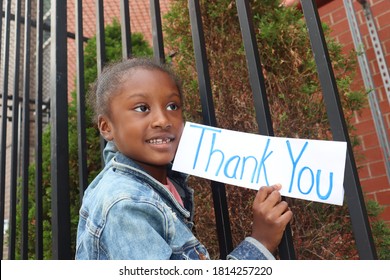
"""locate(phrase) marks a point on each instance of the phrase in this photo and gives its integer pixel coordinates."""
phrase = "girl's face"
(145, 120)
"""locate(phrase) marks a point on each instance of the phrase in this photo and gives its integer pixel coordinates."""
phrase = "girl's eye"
(141, 108)
(172, 107)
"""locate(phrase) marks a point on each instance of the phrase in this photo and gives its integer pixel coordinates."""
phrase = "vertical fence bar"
(100, 37)
(15, 135)
(256, 78)
(1, 27)
(158, 43)
(218, 189)
(26, 127)
(100, 51)
(81, 122)
(125, 29)
(59, 132)
(38, 133)
(354, 196)
(263, 115)
(5, 67)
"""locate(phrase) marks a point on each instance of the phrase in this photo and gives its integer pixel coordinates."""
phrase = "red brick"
(339, 28)
(383, 33)
(364, 172)
(380, 8)
(363, 126)
(385, 215)
(326, 19)
(384, 105)
(328, 8)
(370, 196)
(370, 141)
(386, 46)
(348, 46)
(383, 198)
(363, 28)
(368, 46)
(374, 154)
(377, 78)
(375, 184)
(377, 168)
(387, 119)
(338, 14)
(367, 115)
(382, 20)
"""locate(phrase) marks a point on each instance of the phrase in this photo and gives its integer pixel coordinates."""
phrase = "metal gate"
(20, 119)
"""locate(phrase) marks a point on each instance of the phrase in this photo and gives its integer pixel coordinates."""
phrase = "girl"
(137, 207)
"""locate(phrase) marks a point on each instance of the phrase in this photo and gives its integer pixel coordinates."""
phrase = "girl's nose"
(161, 120)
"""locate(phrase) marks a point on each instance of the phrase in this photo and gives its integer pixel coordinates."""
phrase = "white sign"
(307, 169)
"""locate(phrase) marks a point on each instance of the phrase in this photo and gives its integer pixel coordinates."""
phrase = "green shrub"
(380, 230)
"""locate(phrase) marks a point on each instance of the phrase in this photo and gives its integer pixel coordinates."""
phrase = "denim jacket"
(127, 214)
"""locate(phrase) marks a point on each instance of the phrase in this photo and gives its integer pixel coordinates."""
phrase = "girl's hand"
(270, 216)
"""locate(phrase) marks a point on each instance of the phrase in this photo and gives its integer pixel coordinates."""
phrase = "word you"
(307, 169)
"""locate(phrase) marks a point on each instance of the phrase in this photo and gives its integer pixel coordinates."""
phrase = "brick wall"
(372, 172)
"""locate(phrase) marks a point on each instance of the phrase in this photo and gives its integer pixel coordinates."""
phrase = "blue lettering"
(294, 162)
(235, 168)
(212, 152)
(243, 167)
(262, 163)
(255, 168)
(323, 197)
(201, 139)
(299, 180)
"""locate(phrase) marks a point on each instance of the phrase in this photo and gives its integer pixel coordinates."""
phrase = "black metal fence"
(19, 124)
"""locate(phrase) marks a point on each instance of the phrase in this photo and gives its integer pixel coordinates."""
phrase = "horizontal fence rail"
(23, 108)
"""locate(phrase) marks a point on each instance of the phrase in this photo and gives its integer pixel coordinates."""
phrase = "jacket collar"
(179, 179)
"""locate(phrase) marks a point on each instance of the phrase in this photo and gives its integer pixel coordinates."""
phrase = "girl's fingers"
(265, 191)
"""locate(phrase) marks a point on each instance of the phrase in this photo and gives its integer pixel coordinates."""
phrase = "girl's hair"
(112, 77)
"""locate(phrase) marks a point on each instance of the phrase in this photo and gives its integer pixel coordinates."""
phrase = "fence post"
(5, 68)
(59, 132)
(38, 134)
(158, 43)
(26, 127)
(101, 58)
(125, 29)
(15, 135)
(81, 108)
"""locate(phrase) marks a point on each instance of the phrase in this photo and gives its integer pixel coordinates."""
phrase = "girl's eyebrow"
(173, 94)
(135, 95)
(143, 95)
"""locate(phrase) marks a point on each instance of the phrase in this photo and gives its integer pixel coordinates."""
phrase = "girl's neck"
(157, 172)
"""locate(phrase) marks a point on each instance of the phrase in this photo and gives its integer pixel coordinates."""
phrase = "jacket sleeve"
(139, 235)
(250, 249)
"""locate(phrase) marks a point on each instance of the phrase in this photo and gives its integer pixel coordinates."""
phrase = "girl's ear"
(104, 126)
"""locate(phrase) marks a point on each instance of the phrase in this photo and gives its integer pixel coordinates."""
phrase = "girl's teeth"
(160, 141)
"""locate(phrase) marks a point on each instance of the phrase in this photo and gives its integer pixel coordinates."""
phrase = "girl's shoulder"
(118, 183)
